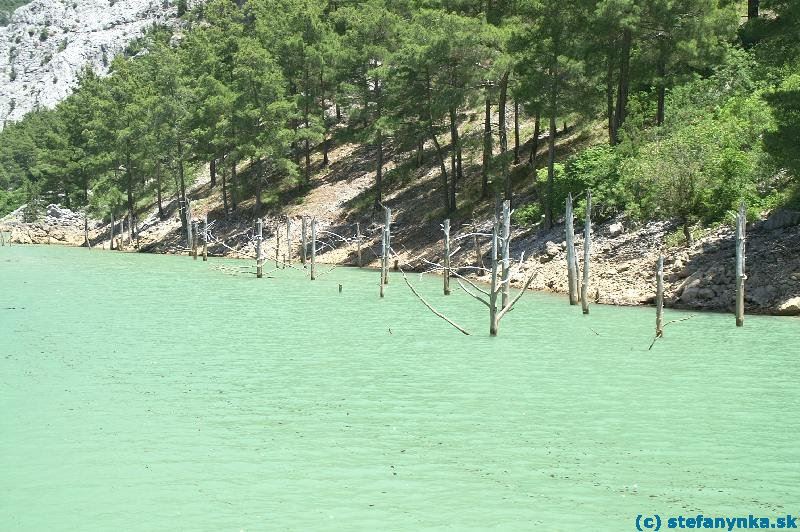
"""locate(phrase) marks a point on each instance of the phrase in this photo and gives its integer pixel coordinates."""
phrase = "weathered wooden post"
(205, 238)
(111, 244)
(446, 272)
(194, 239)
(493, 323)
(660, 297)
(587, 250)
(259, 257)
(288, 257)
(313, 248)
(358, 243)
(741, 225)
(572, 274)
(388, 230)
(506, 274)
(304, 243)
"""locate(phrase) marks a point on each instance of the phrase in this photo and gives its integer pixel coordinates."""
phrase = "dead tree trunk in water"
(289, 241)
(259, 257)
(587, 250)
(304, 241)
(741, 224)
(358, 243)
(189, 221)
(572, 274)
(194, 239)
(277, 245)
(446, 273)
(506, 273)
(493, 321)
(205, 238)
(111, 244)
(313, 248)
(660, 297)
(388, 228)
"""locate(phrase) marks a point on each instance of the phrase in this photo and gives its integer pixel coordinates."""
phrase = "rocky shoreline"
(698, 277)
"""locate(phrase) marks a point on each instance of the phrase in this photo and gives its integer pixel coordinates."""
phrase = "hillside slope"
(623, 253)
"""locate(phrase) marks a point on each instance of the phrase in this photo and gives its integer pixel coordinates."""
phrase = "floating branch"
(669, 323)
(445, 318)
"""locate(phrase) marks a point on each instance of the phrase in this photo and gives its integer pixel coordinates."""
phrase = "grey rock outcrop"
(48, 43)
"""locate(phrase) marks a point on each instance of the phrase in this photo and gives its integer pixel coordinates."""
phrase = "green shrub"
(527, 215)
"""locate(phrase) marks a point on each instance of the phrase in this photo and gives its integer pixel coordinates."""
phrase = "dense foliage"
(700, 110)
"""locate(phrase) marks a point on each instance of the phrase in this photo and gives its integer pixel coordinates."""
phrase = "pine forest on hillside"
(691, 106)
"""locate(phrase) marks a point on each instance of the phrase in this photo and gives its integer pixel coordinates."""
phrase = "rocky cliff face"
(48, 42)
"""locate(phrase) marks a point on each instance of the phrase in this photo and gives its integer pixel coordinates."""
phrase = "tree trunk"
(379, 146)
(741, 224)
(212, 170)
(379, 172)
(453, 164)
(753, 9)
(516, 132)
(233, 185)
(612, 132)
(224, 187)
(306, 114)
(442, 169)
(259, 170)
(131, 206)
(535, 141)
(487, 146)
(182, 190)
(161, 215)
(503, 135)
(662, 88)
(551, 160)
(624, 82)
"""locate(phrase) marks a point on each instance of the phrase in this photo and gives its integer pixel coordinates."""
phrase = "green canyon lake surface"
(142, 392)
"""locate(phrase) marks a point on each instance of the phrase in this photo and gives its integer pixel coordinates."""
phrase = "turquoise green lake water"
(142, 392)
